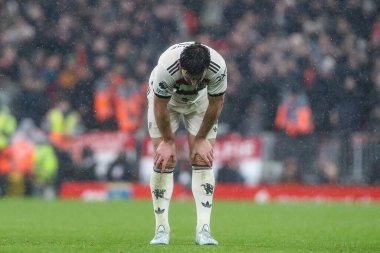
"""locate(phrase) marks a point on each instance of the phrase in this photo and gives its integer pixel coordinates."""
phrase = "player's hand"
(203, 148)
(165, 151)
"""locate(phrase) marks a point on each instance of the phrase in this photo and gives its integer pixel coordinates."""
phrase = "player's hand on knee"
(202, 152)
(165, 155)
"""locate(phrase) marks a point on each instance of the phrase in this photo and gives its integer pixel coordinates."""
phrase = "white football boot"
(204, 237)
(161, 236)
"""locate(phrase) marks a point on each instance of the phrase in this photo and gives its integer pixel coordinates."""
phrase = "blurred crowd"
(296, 67)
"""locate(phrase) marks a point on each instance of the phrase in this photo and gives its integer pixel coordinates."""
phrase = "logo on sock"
(209, 188)
(159, 211)
(159, 193)
(207, 204)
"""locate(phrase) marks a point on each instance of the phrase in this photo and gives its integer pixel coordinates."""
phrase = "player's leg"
(203, 180)
(203, 185)
(161, 184)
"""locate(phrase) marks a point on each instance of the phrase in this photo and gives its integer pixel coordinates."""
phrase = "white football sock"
(203, 183)
(161, 187)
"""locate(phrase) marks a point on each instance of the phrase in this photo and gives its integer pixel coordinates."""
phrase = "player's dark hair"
(195, 58)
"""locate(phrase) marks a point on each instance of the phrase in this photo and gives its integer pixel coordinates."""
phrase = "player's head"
(194, 61)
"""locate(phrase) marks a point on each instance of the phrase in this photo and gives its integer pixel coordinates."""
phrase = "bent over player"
(188, 82)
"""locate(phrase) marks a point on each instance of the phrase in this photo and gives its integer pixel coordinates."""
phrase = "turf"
(32, 225)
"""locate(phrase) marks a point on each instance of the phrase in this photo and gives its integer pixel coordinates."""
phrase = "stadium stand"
(98, 54)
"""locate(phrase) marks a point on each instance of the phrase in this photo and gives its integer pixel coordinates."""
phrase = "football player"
(189, 82)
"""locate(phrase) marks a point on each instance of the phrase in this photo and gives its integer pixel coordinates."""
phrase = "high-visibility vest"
(5, 160)
(103, 101)
(8, 126)
(22, 156)
(128, 109)
(45, 163)
(61, 128)
(61, 124)
(295, 119)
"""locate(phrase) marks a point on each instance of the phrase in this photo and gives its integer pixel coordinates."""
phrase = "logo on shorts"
(150, 125)
(215, 128)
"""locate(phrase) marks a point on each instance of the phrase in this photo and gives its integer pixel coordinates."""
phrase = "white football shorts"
(192, 115)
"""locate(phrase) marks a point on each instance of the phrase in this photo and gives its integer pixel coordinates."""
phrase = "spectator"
(294, 120)
(66, 168)
(32, 100)
(85, 169)
(229, 173)
(22, 154)
(8, 126)
(345, 119)
(291, 172)
(374, 176)
(45, 167)
(122, 168)
(328, 173)
(51, 47)
(62, 123)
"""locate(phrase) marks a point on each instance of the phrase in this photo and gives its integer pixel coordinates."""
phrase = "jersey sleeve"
(163, 83)
(218, 81)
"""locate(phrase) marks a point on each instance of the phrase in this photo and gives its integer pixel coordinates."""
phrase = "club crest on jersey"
(159, 193)
(163, 85)
(209, 188)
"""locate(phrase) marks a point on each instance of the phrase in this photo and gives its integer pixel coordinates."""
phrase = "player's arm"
(202, 151)
(212, 114)
(202, 147)
(164, 156)
(165, 153)
(163, 118)
(216, 90)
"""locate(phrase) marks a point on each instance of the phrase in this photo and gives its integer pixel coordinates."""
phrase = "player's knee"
(198, 161)
(170, 164)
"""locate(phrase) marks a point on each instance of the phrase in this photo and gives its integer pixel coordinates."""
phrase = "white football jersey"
(166, 80)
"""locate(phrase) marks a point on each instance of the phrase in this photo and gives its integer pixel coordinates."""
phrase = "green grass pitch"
(32, 225)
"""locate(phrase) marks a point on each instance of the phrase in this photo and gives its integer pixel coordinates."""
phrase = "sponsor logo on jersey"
(221, 77)
(177, 87)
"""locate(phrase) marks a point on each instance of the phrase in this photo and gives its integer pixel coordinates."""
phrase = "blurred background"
(302, 105)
